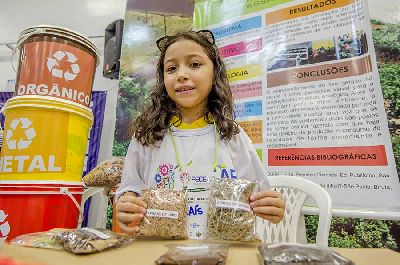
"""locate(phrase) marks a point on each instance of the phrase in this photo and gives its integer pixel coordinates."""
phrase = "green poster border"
(209, 12)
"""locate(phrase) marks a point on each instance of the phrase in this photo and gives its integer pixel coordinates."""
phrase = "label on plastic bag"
(190, 248)
(232, 205)
(162, 213)
(191, 251)
(97, 233)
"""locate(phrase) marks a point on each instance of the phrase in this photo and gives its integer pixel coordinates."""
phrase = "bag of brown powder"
(190, 254)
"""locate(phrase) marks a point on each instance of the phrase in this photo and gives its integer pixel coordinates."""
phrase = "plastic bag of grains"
(300, 254)
(190, 254)
(165, 215)
(44, 239)
(107, 174)
(90, 240)
(229, 214)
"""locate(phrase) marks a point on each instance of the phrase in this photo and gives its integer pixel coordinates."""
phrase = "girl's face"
(188, 76)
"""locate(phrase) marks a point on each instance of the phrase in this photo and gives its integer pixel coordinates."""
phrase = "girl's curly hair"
(151, 126)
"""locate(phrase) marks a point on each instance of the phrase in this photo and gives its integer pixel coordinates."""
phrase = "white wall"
(107, 135)
(89, 17)
(385, 10)
(6, 71)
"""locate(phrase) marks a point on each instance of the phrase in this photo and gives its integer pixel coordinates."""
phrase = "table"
(147, 251)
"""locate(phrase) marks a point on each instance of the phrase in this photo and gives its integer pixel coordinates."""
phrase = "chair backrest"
(295, 191)
(99, 212)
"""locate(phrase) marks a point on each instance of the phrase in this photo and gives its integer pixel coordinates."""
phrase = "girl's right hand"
(130, 212)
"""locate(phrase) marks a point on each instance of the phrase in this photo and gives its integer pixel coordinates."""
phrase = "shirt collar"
(200, 123)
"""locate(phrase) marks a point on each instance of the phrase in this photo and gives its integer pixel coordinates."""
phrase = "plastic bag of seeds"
(90, 240)
(229, 214)
(107, 174)
(298, 254)
(165, 215)
(191, 254)
(44, 239)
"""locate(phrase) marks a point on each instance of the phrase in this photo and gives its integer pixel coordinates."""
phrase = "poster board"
(307, 91)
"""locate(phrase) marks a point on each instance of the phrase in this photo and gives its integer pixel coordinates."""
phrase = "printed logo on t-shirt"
(166, 175)
(200, 179)
(228, 173)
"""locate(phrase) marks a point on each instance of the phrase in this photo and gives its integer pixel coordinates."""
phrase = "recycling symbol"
(28, 131)
(4, 226)
(53, 64)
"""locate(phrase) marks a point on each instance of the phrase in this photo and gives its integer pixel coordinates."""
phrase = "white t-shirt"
(149, 166)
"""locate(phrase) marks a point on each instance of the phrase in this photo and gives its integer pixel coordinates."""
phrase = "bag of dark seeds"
(91, 240)
(297, 254)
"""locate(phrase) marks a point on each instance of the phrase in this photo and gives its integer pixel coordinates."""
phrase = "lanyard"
(190, 162)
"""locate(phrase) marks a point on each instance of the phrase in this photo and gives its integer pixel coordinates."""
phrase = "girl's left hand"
(268, 205)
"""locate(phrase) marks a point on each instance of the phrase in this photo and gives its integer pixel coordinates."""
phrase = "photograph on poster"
(352, 44)
(348, 45)
(323, 51)
(319, 51)
(291, 56)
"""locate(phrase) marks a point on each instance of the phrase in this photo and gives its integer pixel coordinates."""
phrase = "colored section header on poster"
(241, 47)
(349, 68)
(209, 12)
(329, 156)
(305, 9)
(237, 27)
(245, 72)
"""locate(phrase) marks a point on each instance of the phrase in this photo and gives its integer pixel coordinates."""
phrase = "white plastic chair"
(97, 217)
(295, 191)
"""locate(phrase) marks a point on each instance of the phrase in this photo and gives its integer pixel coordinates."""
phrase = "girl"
(187, 135)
